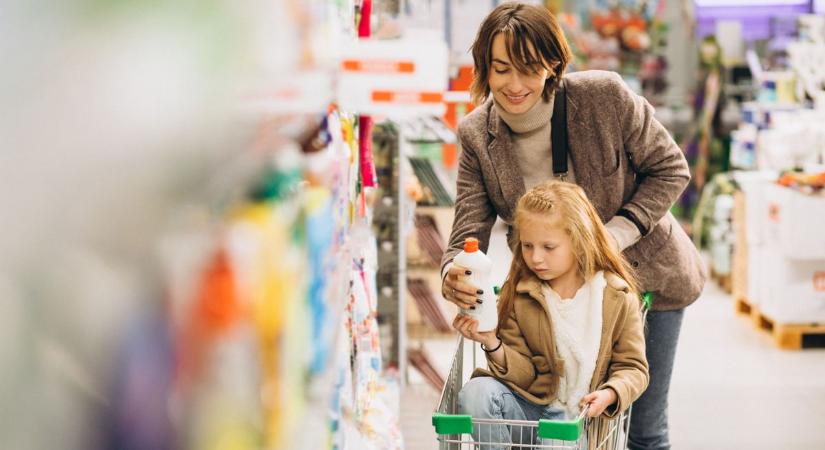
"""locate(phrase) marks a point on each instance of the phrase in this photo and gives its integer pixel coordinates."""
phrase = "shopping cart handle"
(562, 430)
(647, 300)
(452, 423)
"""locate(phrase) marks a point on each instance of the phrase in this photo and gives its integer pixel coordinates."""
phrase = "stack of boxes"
(780, 256)
(793, 270)
(722, 237)
(750, 222)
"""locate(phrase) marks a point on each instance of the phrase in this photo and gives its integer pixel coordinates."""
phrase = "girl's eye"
(501, 71)
(527, 245)
(548, 247)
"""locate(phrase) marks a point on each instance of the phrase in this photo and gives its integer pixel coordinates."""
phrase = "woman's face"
(514, 91)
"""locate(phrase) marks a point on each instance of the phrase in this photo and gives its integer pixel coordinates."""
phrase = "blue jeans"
(488, 398)
(648, 423)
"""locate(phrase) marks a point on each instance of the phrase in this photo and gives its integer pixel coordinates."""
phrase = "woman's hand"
(462, 294)
(468, 327)
(599, 401)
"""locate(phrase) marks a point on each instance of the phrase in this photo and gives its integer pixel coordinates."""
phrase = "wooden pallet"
(742, 306)
(785, 336)
(745, 308)
(724, 281)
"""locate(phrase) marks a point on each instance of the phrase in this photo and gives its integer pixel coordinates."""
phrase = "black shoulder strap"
(558, 132)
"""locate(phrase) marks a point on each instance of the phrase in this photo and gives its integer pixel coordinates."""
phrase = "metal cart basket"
(463, 432)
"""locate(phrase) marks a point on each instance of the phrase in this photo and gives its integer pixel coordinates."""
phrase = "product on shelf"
(272, 340)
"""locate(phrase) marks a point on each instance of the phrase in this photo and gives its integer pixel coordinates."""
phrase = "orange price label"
(819, 281)
(408, 97)
(383, 66)
(773, 212)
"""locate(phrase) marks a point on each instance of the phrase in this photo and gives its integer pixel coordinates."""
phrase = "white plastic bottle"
(480, 265)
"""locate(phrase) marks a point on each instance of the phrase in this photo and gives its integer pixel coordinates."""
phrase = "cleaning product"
(479, 265)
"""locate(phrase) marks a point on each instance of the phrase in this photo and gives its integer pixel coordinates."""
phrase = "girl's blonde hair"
(568, 207)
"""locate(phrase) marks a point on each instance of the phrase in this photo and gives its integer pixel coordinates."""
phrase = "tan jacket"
(533, 368)
(621, 156)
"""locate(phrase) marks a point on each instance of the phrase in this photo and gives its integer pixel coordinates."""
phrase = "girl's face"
(514, 91)
(547, 249)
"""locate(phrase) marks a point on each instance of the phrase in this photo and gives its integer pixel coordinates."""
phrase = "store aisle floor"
(732, 389)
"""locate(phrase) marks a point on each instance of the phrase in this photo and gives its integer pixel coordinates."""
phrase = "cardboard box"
(796, 221)
(721, 257)
(754, 186)
(722, 236)
(739, 263)
(791, 291)
(756, 287)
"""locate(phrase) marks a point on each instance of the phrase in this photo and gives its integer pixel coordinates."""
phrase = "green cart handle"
(452, 423)
(647, 300)
(561, 430)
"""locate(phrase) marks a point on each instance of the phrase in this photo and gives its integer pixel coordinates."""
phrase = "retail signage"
(395, 78)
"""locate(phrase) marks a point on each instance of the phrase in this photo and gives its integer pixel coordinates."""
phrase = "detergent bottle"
(480, 266)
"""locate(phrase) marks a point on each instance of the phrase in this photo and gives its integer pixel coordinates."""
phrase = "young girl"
(570, 331)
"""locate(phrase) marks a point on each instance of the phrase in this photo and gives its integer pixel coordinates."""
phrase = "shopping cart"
(463, 432)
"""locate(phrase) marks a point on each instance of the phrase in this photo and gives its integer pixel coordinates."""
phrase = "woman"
(606, 140)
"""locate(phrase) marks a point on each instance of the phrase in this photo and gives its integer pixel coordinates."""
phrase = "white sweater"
(577, 331)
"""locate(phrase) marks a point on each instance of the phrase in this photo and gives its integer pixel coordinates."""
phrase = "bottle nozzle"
(470, 245)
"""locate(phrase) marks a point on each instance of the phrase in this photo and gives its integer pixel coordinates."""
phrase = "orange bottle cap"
(470, 245)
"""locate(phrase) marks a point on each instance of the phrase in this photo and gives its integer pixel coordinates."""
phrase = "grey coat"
(621, 156)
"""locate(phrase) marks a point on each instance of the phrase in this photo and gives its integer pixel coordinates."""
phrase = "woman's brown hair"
(522, 26)
(565, 205)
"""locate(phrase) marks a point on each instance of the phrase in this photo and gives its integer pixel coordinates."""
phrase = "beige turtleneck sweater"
(532, 142)
(531, 134)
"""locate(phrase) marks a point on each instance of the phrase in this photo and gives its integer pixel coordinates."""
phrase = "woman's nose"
(514, 82)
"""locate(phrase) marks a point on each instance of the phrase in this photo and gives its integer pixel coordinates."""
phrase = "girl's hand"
(468, 327)
(462, 294)
(599, 401)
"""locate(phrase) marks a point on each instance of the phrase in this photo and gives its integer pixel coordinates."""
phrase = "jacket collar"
(615, 289)
(504, 159)
(616, 282)
(532, 287)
